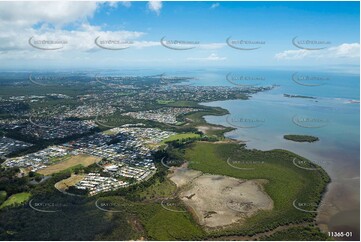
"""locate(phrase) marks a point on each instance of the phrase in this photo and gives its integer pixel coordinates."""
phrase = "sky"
(116, 35)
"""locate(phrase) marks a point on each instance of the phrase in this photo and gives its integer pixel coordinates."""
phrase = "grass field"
(55, 160)
(286, 181)
(18, 198)
(84, 160)
(181, 136)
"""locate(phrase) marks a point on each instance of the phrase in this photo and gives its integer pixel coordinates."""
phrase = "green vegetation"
(298, 96)
(187, 104)
(181, 136)
(301, 138)
(76, 218)
(158, 190)
(155, 222)
(11, 183)
(275, 166)
(32, 89)
(298, 234)
(140, 214)
(164, 101)
(16, 199)
(197, 119)
(3, 196)
(54, 160)
(162, 224)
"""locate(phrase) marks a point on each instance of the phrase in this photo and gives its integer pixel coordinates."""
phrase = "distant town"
(118, 128)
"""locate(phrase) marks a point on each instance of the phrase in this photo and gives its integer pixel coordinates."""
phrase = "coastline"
(326, 218)
(229, 129)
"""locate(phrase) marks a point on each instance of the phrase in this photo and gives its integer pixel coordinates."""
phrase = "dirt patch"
(205, 129)
(218, 201)
(85, 160)
(66, 183)
(182, 175)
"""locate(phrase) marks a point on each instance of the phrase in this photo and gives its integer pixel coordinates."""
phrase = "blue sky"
(270, 26)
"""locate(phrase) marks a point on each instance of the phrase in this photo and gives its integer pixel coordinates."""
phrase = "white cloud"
(20, 14)
(211, 57)
(345, 50)
(155, 6)
(16, 27)
(113, 4)
(212, 46)
(144, 44)
(292, 54)
(81, 39)
(215, 5)
(126, 4)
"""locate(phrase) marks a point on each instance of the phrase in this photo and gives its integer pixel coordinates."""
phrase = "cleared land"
(84, 160)
(286, 182)
(207, 129)
(66, 183)
(220, 200)
(18, 198)
(182, 176)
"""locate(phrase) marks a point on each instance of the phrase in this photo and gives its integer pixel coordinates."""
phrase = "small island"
(297, 96)
(301, 138)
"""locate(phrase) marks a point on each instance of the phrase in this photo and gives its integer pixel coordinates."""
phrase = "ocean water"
(333, 115)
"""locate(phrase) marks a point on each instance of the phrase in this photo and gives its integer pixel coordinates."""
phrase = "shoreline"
(229, 129)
